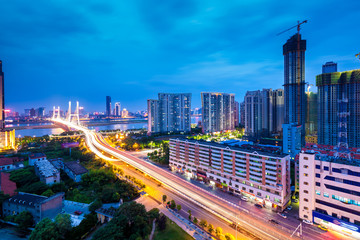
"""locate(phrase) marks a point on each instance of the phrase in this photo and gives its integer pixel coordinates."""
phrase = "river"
(50, 131)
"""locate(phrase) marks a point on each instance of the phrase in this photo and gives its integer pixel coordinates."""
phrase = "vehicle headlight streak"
(95, 142)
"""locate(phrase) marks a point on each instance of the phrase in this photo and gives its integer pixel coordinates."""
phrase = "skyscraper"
(7, 137)
(311, 114)
(108, 106)
(170, 113)
(2, 99)
(332, 89)
(217, 111)
(242, 113)
(329, 67)
(236, 114)
(264, 112)
(117, 109)
(294, 82)
(278, 115)
(253, 113)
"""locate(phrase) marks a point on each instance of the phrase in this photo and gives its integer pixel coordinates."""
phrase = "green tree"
(154, 213)
(63, 224)
(189, 212)
(178, 207)
(211, 228)
(45, 230)
(203, 223)
(218, 232)
(164, 197)
(95, 205)
(172, 204)
(24, 220)
(195, 220)
(162, 222)
(229, 236)
(86, 224)
(48, 193)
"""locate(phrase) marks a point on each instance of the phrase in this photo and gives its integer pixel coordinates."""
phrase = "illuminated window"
(317, 192)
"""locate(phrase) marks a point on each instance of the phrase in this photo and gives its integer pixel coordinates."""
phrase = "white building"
(117, 109)
(47, 172)
(170, 113)
(329, 192)
(34, 157)
(259, 174)
(218, 111)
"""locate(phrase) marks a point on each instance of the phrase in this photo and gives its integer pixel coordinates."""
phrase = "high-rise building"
(236, 114)
(294, 82)
(329, 67)
(117, 109)
(264, 112)
(292, 139)
(32, 112)
(40, 112)
(108, 106)
(7, 137)
(311, 113)
(242, 113)
(334, 88)
(170, 113)
(253, 113)
(2, 99)
(278, 115)
(217, 111)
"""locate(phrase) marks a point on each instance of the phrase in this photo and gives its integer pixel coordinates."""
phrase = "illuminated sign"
(318, 216)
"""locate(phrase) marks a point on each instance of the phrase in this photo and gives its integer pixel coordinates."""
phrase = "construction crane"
(298, 74)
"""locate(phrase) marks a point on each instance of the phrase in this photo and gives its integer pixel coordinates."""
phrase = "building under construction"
(294, 82)
(339, 90)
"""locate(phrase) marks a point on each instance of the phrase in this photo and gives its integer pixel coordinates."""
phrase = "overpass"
(218, 206)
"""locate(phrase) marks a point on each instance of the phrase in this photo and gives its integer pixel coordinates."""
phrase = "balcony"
(273, 178)
(256, 178)
(259, 174)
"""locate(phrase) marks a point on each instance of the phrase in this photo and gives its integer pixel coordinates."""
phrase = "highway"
(215, 205)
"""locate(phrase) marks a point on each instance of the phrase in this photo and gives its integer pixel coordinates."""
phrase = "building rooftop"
(329, 150)
(45, 168)
(37, 155)
(328, 153)
(57, 162)
(108, 212)
(248, 148)
(75, 167)
(27, 199)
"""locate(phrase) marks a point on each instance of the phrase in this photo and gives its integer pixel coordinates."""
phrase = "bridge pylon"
(73, 116)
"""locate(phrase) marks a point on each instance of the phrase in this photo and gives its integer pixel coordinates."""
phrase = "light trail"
(214, 204)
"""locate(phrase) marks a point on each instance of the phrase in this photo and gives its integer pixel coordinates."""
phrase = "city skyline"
(212, 44)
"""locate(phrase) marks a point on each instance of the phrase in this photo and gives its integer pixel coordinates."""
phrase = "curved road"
(206, 200)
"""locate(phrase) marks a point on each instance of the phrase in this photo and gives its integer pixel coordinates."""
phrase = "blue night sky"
(56, 51)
